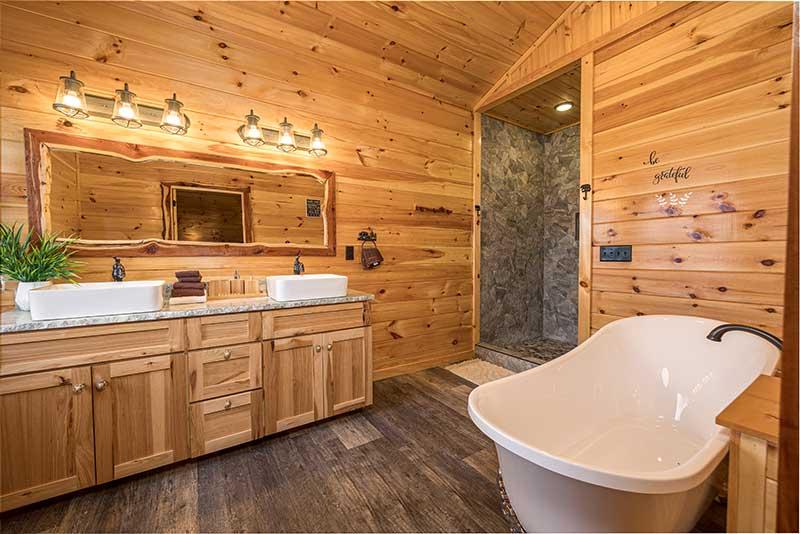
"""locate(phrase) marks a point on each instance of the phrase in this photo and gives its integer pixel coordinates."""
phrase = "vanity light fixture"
(173, 120)
(126, 111)
(123, 108)
(250, 131)
(282, 137)
(561, 107)
(286, 141)
(317, 144)
(70, 98)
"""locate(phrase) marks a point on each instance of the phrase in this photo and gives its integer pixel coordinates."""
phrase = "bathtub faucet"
(717, 333)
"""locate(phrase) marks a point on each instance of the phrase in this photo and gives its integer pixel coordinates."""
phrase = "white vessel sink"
(63, 301)
(306, 286)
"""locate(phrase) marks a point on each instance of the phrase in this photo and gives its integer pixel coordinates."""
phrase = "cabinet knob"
(227, 354)
(100, 385)
(330, 347)
(228, 405)
(318, 348)
(77, 388)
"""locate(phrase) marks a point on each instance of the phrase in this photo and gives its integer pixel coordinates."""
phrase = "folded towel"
(188, 292)
(182, 274)
(188, 285)
(191, 279)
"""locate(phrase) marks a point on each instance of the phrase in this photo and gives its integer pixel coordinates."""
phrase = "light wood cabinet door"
(46, 440)
(293, 382)
(347, 370)
(141, 415)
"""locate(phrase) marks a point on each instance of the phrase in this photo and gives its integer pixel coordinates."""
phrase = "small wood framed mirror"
(125, 199)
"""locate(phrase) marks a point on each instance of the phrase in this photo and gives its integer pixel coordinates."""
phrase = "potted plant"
(34, 262)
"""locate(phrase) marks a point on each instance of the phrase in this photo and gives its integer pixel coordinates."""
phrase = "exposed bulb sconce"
(317, 144)
(173, 120)
(283, 137)
(371, 257)
(286, 137)
(70, 99)
(123, 109)
(561, 107)
(250, 131)
(126, 111)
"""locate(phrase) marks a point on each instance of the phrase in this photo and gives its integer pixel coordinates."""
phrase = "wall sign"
(677, 174)
(313, 207)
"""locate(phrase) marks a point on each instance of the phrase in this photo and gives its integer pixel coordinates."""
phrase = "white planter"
(23, 293)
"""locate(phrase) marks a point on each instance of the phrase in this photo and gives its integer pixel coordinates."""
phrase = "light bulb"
(173, 118)
(286, 137)
(253, 132)
(125, 111)
(564, 106)
(71, 100)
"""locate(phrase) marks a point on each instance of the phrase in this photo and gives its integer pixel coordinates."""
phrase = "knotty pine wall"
(397, 153)
(710, 92)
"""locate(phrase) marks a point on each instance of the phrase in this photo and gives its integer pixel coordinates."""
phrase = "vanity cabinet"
(139, 415)
(46, 436)
(89, 404)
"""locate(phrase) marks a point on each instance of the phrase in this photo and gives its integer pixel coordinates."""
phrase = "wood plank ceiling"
(535, 108)
(451, 51)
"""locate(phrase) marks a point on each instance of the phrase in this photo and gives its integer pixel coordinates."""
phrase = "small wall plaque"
(313, 207)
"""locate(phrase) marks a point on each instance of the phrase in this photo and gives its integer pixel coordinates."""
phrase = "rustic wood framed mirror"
(128, 199)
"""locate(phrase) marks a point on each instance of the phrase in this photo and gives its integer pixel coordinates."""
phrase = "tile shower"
(529, 250)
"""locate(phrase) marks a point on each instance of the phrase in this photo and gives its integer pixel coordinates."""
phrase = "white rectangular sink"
(63, 301)
(306, 286)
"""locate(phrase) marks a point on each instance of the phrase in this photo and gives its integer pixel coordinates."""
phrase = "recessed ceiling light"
(564, 106)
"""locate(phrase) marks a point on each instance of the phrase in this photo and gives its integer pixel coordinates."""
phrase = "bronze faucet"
(299, 268)
(117, 270)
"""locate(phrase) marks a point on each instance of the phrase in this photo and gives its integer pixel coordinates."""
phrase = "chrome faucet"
(717, 333)
(299, 268)
(117, 270)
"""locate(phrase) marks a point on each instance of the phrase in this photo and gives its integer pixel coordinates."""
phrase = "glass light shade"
(250, 131)
(317, 144)
(564, 106)
(70, 98)
(126, 111)
(286, 137)
(173, 120)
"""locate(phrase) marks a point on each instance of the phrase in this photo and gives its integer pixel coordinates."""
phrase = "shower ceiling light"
(561, 107)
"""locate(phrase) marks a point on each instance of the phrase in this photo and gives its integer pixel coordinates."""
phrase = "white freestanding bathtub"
(618, 435)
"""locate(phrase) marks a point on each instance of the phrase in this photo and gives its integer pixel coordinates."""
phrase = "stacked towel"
(189, 284)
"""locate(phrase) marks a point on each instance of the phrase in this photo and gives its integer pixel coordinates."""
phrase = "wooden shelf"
(756, 411)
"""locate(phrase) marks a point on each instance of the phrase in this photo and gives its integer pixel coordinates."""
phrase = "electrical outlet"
(616, 253)
(349, 252)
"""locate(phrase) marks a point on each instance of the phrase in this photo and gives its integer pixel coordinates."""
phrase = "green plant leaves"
(27, 259)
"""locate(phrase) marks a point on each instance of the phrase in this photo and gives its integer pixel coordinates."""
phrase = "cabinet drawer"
(219, 330)
(221, 423)
(313, 320)
(67, 347)
(224, 370)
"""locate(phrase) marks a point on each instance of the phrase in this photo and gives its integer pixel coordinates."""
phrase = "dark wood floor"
(413, 462)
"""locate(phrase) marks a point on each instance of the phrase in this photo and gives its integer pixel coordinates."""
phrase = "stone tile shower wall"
(512, 169)
(529, 257)
(560, 264)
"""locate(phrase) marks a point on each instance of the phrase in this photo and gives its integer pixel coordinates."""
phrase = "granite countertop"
(20, 321)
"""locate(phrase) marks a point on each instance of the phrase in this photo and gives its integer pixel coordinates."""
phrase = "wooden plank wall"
(709, 92)
(403, 159)
(576, 32)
